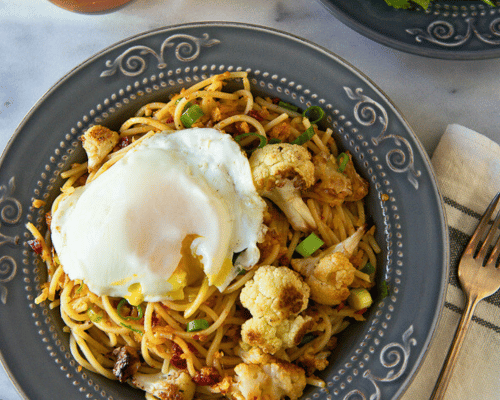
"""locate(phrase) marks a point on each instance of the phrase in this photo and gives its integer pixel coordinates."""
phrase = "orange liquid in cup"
(89, 6)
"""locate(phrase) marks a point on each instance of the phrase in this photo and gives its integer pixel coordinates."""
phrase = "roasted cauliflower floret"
(333, 186)
(312, 362)
(272, 381)
(98, 141)
(275, 293)
(175, 385)
(271, 339)
(330, 274)
(280, 172)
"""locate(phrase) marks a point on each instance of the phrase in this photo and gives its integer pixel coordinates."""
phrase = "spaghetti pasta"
(213, 358)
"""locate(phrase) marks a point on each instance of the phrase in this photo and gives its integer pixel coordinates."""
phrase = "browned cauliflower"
(280, 172)
(175, 384)
(271, 339)
(330, 274)
(98, 141)
(333, 186)
(271, 381)
(275, 294)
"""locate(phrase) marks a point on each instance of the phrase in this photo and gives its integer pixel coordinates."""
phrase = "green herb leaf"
(383, 290)
(368, 269)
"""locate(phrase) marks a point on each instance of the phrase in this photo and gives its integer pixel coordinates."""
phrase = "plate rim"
(373, 34)
(415, 141)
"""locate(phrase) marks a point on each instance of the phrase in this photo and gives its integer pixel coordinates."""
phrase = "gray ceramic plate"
(458, 30)
(376, 359)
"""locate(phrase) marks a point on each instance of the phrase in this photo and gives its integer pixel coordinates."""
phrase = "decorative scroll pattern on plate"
(368, 112)
(446, 34)
(394, 356)
(132, 62)
(10, 215)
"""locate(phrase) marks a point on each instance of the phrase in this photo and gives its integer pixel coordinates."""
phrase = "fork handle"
(449, 365)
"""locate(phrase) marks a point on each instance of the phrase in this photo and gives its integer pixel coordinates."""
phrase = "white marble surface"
(40, 43)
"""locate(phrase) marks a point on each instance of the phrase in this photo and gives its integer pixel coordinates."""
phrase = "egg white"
(123, 233)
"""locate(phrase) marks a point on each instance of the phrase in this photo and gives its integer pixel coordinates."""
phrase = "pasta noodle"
(158, 331)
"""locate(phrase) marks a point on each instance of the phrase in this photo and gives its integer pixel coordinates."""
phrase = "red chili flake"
(124, 142)
(340, 306)
(255, 114)
(208, 376)
(275, 100)
(155, 320)
(169, 120)
(36, 246)
(361, 311)
(178, 362)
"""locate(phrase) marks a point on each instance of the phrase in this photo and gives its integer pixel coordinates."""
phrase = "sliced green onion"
(368, 269)
(383, 290)
(288, 106)
(262, 143)
(197, 325)
(308, 337)
(94, 317)
(309, 245)
(242, 271)
(342, 159)
(126, 317)
(360, 299)
(79, 289)
(314, 114)
(274, 141)
(191, 115)
(132, 328)
(305, 136)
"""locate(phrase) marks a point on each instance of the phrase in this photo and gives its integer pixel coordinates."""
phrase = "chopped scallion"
(342, 159)
(309, 245)
(140, 312)
(288, 106)
(308, 337)
(274, 141)
(132, 328)
(360, 299)
(262, 143)
(191, 115)
(305, 136)
(94, 317)
(197, 325)
(314, 114)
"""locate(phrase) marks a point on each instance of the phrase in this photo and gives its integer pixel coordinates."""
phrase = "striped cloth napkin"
(467, 167)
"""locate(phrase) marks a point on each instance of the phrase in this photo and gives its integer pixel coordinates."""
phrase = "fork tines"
(479, 245)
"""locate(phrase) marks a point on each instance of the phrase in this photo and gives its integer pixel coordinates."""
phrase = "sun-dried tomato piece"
(208, 376)
(36, 246)
(255, 114)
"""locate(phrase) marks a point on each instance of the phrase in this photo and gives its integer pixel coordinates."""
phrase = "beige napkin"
(467, 167)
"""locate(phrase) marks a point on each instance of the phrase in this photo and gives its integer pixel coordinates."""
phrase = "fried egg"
(175, 209)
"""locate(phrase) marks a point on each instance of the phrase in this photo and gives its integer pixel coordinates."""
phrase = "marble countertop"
(41, 43)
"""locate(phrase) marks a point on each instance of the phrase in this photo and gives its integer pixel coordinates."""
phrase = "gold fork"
(479, 278)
